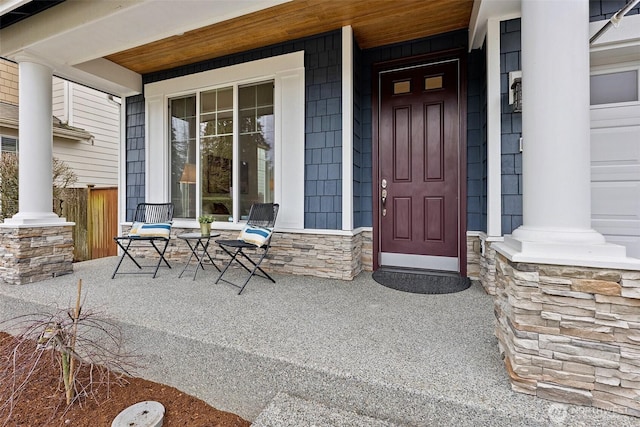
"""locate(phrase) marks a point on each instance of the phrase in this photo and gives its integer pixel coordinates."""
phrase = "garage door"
(615, 157)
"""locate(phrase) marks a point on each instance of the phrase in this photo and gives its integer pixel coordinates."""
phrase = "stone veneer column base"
(571, 334)
(35, 253)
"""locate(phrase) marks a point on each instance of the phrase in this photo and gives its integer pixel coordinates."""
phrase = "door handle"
(383, 196)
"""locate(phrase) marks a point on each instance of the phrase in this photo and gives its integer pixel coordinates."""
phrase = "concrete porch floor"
(310, 351)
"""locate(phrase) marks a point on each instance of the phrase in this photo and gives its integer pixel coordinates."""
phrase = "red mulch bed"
(42, 403)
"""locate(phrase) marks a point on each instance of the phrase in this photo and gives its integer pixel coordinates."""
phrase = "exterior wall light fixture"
(515, 91)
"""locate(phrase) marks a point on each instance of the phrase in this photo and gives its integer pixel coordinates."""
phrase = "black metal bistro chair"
(151, 228)
(256, 237)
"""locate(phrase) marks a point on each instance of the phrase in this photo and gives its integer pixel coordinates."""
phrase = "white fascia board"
(69, 18)
(482, 11)
(99, 74)
(85, 30)
(104, 73)
(74, 36)
(477, 28)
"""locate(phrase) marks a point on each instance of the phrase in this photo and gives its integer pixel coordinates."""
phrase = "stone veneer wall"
(481, 266)
(32, 254)
(321, 255)
(571, 334)
(488, 269)
(474, 257)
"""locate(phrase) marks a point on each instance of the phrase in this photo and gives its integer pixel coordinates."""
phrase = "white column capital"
(27, 56)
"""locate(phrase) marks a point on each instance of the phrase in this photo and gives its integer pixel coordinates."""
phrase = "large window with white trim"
(221, 143)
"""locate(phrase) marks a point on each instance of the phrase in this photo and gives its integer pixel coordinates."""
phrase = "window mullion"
(235, 179)
(198, 158)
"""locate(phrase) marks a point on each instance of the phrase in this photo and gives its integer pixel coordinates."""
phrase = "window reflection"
(211, 167)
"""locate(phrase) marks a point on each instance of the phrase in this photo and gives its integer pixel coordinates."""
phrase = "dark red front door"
(418, 163)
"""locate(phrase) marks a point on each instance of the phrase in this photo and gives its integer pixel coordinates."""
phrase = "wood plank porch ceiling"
(374, 22)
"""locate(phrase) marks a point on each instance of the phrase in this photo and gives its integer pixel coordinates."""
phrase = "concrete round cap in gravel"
(142, 414)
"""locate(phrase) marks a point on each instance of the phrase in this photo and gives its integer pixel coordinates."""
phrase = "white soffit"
(79, 31)
(482, 11)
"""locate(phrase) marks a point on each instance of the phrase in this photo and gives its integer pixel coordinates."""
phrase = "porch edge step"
(289, 411)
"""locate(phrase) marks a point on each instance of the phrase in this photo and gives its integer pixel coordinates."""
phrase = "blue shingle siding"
(510, 47)
(323, 131)
(360, 218)
(323, 118)
(476, 141)
(604, 9)
(134, 162)
(456, 39)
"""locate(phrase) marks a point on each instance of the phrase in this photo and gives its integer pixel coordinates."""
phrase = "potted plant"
(205, 224)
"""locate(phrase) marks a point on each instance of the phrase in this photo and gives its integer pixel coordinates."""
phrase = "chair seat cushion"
(133, 232)
(235, 243)
(158, 229)
(254, 235)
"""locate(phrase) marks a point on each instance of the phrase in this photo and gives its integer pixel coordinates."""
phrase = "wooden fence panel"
(102, 212)
(72, 205)
(95, 212)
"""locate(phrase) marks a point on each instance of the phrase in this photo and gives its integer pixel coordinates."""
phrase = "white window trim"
(287, 72)
(347, 128)
(494, 130)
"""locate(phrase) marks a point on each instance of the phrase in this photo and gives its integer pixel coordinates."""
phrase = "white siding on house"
(94, 162)
(58, 98)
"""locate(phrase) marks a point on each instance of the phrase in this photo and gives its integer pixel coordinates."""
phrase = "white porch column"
(36, 146)
(556, 139)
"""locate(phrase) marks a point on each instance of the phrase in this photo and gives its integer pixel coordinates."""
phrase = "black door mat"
(421, 282)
